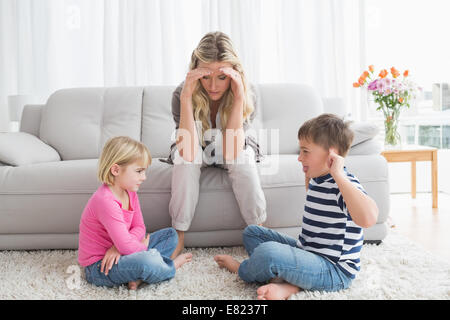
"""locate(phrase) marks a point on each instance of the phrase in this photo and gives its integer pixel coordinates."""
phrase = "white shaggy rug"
(396, 269)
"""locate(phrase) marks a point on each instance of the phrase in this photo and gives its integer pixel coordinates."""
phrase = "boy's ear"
(115, 169)
(333, 149)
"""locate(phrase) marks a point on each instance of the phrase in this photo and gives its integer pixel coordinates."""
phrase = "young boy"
(326, 254)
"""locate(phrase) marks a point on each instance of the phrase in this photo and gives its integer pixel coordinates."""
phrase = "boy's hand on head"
(335, 163)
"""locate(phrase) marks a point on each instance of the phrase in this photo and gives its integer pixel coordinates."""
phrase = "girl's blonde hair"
(217, 47)
(122, 151)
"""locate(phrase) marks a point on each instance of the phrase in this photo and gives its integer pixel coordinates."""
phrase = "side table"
(414, 153)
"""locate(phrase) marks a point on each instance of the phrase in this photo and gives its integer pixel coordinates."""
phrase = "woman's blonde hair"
(122, 151)
(217, 47)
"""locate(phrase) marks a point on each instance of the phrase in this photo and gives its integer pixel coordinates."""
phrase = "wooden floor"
(417, 220)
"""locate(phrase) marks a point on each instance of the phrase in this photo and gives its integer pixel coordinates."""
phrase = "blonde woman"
(213, 109)
(113, 245)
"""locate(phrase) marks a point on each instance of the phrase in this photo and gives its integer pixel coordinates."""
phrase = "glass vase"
(391, 130)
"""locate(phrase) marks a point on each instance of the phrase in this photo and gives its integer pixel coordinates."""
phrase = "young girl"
(113, 246)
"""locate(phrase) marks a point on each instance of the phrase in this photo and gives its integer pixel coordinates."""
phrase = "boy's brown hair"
(328, 131)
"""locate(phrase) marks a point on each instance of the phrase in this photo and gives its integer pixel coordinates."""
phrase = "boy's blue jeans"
(274, 255)
(151, 266)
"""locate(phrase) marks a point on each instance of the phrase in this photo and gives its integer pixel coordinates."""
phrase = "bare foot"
(180, 245)
(182, 259)
(276, 291)
(228, 262)
(133, 285)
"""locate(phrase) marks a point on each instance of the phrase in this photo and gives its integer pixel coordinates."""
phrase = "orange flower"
(371, 68)
(400, 100)
(406, 73)
(361, 80)
(356, 85)
(365, 74)
(383, 73)
(394, 72)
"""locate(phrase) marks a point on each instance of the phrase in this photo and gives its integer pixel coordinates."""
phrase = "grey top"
(249, 140)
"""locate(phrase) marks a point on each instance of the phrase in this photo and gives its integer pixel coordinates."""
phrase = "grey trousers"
(244, 179)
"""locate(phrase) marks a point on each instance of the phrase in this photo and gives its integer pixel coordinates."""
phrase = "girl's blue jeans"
(274, 255)
(151, 266)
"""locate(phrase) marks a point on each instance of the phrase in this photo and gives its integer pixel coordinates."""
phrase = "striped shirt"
(328, 228)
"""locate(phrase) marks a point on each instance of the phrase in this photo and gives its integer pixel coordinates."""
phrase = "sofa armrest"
(31, 119)
(21, 148)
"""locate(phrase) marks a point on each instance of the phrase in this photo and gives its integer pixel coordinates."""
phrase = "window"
(410, 34)
(430, 136)
(409, 134)
(437, 136)
(446, 137)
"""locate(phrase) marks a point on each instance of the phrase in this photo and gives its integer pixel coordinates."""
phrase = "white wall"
(400, 175)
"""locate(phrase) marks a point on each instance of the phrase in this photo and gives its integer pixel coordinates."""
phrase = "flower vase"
(391, 135)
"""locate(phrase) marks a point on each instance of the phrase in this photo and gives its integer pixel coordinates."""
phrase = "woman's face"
(217, 83)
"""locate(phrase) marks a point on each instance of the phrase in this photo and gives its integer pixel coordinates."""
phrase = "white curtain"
(46, 45)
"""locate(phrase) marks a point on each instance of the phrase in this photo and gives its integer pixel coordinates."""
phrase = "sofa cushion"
(20, 148)
(78, 122)
(371, 146)
(363, 131)
(55, 203)
(62, 177)
(46, 197)
(158, 128)
(284, 108)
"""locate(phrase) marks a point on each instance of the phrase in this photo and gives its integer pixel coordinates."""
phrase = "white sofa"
(48, 169)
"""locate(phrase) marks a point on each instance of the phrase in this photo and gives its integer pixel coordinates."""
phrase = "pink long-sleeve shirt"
(105, 223)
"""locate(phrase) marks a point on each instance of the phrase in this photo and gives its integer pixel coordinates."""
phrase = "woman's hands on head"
(205, 73)
(191, 81)
(237, 86)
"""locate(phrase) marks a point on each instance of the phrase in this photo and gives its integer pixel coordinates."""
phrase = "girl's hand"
(191, 81)
(111, 257)
(237, 86)
(146, 240)
(335, 163)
